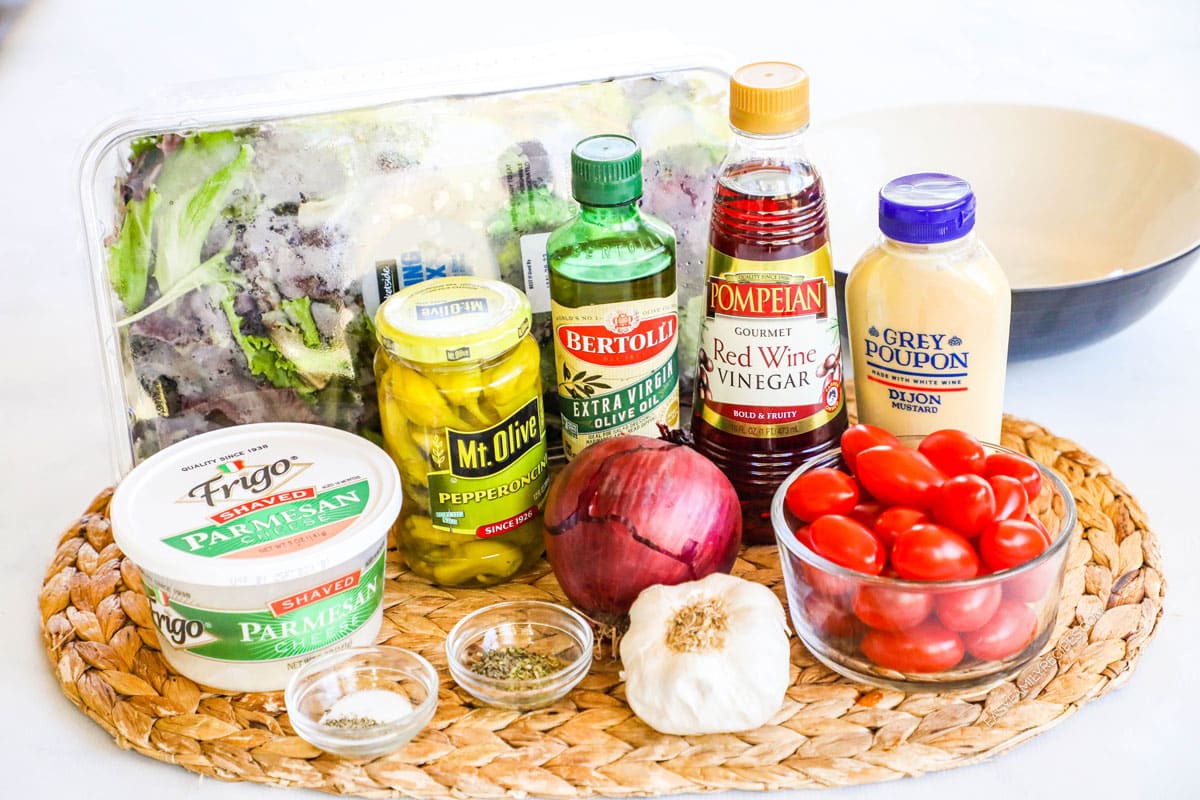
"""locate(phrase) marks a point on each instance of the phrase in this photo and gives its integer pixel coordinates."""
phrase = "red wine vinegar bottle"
(769, 384)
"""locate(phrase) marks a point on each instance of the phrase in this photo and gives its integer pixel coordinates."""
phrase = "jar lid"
(250, 505)
(453, 320)
(926, 208)
(606, 170)
(768, 97)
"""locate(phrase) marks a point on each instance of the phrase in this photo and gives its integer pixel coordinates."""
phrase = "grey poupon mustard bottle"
(928, 308)
(613, 302)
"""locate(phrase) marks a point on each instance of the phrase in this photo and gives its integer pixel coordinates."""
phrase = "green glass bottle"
(612, 298)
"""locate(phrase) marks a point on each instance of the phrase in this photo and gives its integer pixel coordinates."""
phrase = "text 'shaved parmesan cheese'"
(260, 547)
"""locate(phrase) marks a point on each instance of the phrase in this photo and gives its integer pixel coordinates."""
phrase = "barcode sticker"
(536, 268)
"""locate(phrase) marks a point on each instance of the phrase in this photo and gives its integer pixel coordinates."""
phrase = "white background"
(1132, 400)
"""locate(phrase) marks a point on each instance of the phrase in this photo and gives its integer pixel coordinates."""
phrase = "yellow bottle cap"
(453, 320)
(768, 97)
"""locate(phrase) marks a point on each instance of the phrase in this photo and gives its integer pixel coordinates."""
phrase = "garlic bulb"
(709, 656)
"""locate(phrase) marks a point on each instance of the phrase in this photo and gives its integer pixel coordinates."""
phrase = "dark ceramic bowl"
(1094, 219)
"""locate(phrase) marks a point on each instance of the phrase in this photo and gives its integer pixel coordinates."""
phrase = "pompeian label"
(917, 368)
(275, 524)
(490, 482)
(770, 357)
(770, 300)
(285, 628)
(617, 370)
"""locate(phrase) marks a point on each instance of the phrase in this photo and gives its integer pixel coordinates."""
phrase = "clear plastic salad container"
(238, 248)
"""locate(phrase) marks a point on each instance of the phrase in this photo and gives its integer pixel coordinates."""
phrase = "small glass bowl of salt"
(364, 701)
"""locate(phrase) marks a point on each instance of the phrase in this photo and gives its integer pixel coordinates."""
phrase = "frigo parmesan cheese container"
(261, 547)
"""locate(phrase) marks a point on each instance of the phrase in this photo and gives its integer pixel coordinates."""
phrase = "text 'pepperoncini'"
(460, 402)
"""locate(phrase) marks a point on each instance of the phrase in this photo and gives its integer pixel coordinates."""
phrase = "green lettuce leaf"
(186, 219)
(198, 181)
(262, 357)
(214, 271)
(285, 357)
(299, 313)
(129, 255)
(317, 366)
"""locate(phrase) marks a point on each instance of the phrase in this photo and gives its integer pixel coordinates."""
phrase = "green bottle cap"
(606, 170)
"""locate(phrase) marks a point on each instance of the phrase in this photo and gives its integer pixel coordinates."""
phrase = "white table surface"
(1132, 400)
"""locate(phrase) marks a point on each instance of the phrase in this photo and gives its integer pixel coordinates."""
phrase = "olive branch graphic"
(437, 451)
(580, 385)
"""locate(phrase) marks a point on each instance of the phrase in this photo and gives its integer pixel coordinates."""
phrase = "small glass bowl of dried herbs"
(364, 701)
(521, 654)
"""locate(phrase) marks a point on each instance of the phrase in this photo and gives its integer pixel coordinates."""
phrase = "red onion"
(631, 512)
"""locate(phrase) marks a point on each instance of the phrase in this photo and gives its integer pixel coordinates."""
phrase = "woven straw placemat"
(830, 732)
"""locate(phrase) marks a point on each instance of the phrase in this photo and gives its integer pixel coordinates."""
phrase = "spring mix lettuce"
(238, 257)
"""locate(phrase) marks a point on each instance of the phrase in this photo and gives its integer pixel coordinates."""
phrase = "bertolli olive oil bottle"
(612, 295)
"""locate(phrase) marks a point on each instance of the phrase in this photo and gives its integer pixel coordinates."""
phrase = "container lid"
(256, 504)
(926, 208)
(363, 182)
(451, 320)
(768, 97)
(606, 170)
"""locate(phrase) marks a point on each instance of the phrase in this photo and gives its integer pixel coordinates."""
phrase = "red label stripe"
(916, 388)
(309, 596)
(258, 504)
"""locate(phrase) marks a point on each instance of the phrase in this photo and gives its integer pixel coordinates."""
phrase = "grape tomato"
(1007, 633)
(821, 582)
(821, 491)
(932, 552)
(861, 437)
(954, 452)
(965, 503)
(1011, 500)
(896, 475)
(830, 616)
(829, 585)
(1032, 586)
(1010, 543)
(888, 609)
(929, 647)
(847, 543)
(804, 536)
(1016, 466)
(1037, 523)
(968, 609)
(895, 520)
(868, 514)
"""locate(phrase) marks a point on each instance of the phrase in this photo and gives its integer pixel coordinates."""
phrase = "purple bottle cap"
(926, 208)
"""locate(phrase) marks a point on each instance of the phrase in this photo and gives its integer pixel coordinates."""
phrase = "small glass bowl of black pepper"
(522, 654)
(362, 701)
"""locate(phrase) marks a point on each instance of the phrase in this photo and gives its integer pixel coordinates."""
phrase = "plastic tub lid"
(256, 504)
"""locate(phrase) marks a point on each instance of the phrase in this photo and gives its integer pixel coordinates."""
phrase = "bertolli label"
(617, 370)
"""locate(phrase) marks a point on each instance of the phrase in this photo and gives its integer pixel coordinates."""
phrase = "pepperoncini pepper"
(460, 402)
(463, 388)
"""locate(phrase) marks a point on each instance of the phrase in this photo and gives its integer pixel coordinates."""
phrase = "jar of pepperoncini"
(460, 399)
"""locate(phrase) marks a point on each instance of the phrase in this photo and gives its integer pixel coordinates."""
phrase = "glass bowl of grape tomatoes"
(923, 563)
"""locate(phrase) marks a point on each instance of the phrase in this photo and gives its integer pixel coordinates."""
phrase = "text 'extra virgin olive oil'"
(612, 293)
(769, 383)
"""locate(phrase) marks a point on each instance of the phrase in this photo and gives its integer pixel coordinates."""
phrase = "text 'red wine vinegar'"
(769, 385)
